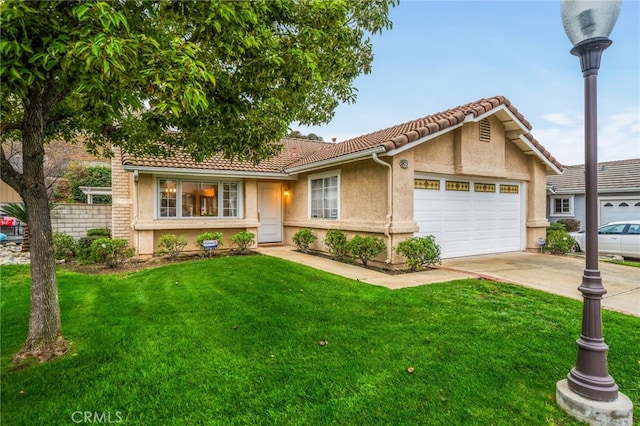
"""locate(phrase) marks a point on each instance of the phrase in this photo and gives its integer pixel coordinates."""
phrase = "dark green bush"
(303, 239)
(84, 248)
(420, 251)
(172, 245)
(243, 239)
(571, 225)
(111, 252)
(64, 246)
(556, 226)
(559, 242)
(336, 242)
(99, 232)
(365, 248)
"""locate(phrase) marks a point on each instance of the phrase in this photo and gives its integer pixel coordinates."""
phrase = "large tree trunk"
(44, 339)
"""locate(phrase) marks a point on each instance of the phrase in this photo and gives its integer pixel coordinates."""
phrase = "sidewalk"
(560, 275)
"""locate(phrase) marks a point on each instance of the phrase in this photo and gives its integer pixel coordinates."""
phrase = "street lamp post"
(588, 25)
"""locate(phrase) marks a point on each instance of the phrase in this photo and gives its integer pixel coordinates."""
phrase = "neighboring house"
(618, 192)
(472, 176)
(59, 155)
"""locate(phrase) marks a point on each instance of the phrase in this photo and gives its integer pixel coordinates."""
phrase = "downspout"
(387, 226)
(136, 209)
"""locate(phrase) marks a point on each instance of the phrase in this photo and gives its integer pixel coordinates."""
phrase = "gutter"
(374, 157)
(335, 161)
(207, 172)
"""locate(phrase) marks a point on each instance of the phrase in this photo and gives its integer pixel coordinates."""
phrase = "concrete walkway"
(559, 275)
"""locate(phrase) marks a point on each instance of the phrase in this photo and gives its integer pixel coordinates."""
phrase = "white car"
(620, 238)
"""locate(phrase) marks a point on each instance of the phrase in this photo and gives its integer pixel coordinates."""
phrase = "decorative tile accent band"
(484, 187)
(457, 186)
(426, 184)
(509, 189)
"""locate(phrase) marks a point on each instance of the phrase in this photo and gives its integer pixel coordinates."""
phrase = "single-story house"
(618, 192)
(473, 176)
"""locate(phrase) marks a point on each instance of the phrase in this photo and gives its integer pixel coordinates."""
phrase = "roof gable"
(403, 135)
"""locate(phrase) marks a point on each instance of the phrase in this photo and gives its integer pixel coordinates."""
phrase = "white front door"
(270, 212)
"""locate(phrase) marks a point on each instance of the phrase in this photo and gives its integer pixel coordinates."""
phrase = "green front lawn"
(236, 340)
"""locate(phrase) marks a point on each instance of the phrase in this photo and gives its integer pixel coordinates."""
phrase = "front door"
(270, 212)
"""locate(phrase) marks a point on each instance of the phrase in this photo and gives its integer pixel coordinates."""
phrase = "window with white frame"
(324, 196)
(561, 206)
(186, 198)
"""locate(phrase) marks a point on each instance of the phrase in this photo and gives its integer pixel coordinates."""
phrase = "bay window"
(182, 198)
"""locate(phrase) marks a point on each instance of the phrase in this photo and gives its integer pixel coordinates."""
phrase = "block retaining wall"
(76, 219)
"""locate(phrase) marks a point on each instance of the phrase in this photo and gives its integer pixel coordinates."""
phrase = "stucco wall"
(76, 219)
(145, 229)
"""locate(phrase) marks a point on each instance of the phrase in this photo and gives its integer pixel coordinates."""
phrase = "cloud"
(558, 118)
(618, 137)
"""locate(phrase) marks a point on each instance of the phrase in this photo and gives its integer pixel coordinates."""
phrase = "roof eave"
(417, 142)
(207, 172)
(349, 158)
(550, 166)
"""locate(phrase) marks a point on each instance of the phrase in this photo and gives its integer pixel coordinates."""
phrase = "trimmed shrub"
(99, 232)
(365, 248)
(111, 252)
(243, 239)
(336, 242)
(172, 245)
(571, 225)
(303, 239)
(556, 226)
(420, 251)
(84, 243)
(208, 236)
(64, 246)
(559, 242)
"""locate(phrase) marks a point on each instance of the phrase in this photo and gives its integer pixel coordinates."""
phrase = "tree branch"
(10, 175)
(6, 126)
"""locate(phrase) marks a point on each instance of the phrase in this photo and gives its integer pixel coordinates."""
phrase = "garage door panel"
(465, 223)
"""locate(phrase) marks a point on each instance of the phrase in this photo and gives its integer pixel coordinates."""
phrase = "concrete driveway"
(559, 275)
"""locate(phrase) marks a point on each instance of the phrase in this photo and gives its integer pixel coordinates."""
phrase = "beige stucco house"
(472, 176)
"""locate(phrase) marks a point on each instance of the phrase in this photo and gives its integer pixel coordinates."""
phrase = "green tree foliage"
(311, 136)
(365, 248)
(420, 251)
(229, 76)
(77, 176)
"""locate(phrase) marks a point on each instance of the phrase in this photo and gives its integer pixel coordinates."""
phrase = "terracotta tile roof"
(400, 135)
(302, 152)
(612, 176)
(292, 150)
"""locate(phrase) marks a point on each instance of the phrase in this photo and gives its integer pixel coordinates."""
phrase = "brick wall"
(76, 219)
(121, 198)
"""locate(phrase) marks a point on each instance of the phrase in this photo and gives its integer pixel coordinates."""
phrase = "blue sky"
(442, 54)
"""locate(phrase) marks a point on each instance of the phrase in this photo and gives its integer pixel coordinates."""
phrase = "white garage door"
(470, 217)
(614, 210)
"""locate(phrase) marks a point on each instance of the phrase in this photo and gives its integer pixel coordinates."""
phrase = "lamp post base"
(618, 412)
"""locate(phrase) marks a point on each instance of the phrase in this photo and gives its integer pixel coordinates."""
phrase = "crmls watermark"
(96, 417)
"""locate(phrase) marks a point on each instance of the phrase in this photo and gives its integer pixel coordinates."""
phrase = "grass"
(236, 341)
